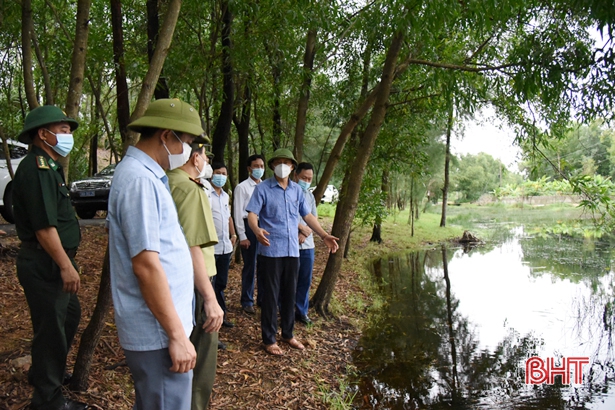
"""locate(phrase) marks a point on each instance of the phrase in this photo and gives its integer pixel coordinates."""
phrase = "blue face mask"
(304, 185)
(64, 145)
(218, 180)
(258, 173)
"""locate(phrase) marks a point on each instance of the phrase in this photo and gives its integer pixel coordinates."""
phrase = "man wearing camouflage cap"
(47, 226)
(274, 212)
(152, 278)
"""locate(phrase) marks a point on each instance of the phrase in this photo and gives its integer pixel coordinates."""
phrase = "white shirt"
(207, 187)
(241, 197)
(222, 214)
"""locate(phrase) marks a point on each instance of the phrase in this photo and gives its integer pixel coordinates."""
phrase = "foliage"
(475, 175)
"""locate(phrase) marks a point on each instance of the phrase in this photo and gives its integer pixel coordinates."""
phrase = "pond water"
(457, 325)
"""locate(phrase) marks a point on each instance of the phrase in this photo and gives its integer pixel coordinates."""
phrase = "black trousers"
(279, 280)
(55, 317)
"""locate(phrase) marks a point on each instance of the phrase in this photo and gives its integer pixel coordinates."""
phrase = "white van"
(17, 152)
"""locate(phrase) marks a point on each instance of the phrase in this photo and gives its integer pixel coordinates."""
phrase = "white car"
(17, 152)
(330, 196)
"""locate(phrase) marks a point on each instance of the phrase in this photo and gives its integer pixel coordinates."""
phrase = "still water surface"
(458, 325)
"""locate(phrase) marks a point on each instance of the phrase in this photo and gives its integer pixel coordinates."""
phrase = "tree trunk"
(411, 213)
(27, 28)
(449, 322)
(49, 100)
(151, 78)
(7, 152)
(153, 25)
(77, 69)
(355, 118)
(304, 97)
(123, 105)
(222, 131)
(447, 161)
(243, 132)
(91, 334)
(93, 157)
(347, 206)
(384, 188)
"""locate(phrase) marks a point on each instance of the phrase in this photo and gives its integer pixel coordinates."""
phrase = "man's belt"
(35, 245)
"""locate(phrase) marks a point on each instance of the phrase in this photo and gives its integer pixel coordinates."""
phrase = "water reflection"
(457, 327)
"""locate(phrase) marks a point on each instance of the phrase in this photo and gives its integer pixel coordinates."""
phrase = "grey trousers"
(156, 387)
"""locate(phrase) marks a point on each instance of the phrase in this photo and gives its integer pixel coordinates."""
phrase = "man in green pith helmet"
(274, 212)
(152, 274)
(47, 226)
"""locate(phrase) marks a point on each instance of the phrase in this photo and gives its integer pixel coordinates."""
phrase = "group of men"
(165, 245)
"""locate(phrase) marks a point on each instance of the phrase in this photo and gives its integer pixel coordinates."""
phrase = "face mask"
(258, 173)
(177, 160)
(282, 170)
(206, 172)
(218, 180)
(64, 145)
(304, 185)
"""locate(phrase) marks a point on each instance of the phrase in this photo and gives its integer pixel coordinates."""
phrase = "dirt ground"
(247, 377)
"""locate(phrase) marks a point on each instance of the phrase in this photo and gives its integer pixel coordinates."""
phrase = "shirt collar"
(147, 161)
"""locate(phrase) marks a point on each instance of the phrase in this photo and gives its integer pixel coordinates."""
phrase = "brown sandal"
(274, 349)
(294, 343)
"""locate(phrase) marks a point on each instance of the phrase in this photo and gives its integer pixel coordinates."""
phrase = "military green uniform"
(41, 200)
(195, 217)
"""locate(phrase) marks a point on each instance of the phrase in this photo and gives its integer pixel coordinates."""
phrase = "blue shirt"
(309, 241)
(142, 216)
(221, 213)
(279, 211)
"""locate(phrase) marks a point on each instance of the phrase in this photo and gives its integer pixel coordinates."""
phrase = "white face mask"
(206, 173)
(177, 160)
(282, 170)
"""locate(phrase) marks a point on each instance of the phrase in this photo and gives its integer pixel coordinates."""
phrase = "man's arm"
(239, 204)
(157, 295)
(231, 229)
(51, 243)
(259, 232)
(330, 240)
(213, 312)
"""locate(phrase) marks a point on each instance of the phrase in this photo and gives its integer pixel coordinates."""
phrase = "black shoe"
(249, 310)
(74, 405)
(227, 323)
(221, 346)
(65, 381)
(303, 319)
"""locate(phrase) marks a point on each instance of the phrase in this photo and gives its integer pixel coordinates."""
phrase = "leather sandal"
(294, 343)
(274, 349)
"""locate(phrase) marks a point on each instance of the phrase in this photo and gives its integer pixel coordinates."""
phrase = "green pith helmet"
(40, 116)
(170, 114)
(282, 153)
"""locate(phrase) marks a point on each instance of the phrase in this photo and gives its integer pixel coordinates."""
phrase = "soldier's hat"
(282, 153)
(40, 116)
(171, 114)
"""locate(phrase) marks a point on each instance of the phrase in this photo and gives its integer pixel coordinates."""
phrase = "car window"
(15, 152)
(107, 171)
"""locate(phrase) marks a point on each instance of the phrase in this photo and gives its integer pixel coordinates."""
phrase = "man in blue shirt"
(274, 212)
(152, 279)
(303, 175)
